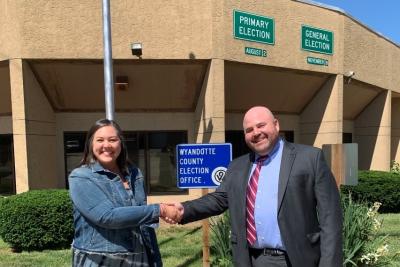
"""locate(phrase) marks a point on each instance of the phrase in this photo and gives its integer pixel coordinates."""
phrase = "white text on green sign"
(255, 52)
(253, 27)
(317, 61)
(316, 40)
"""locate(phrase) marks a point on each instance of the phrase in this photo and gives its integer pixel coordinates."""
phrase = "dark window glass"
(153, 152)
(236, 138)
(162, 161)
(347, 138)
(239, 147)
(74, 145)
(288, 135)
(7, 177)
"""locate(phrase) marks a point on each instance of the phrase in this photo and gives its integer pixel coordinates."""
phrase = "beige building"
(328, 78)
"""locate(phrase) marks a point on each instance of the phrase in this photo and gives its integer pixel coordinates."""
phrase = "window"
(236, 138)
(162, 161)
(7, 177)
(153, 152)
(74, 145)
(347, 138)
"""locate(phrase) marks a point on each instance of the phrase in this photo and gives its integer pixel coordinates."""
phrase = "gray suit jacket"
(309, 212)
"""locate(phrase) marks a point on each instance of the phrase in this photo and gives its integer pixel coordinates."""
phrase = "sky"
(382, 16)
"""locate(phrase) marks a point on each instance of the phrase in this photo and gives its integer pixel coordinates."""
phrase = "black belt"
(267, 252)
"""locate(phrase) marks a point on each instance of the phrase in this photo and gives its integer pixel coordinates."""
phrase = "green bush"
(377, 186)
(37, 220)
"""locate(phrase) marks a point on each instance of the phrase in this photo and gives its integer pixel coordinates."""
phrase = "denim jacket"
(110, 219)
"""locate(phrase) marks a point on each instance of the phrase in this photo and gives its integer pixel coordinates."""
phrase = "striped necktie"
(251, 201)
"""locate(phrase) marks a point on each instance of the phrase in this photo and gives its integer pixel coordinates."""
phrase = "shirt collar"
(274, 150)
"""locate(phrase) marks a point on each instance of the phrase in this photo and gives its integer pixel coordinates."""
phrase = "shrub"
(221, 241)
(395, 167)
(37, 220)
(377, 186)
(362, 244)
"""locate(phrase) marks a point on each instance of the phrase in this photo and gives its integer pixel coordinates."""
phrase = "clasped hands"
(171, 212)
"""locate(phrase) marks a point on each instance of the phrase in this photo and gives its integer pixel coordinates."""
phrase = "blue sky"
(382, 16)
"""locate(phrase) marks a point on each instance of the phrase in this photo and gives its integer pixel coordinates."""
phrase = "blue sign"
(202, 165)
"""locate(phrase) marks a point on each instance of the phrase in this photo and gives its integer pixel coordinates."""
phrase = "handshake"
(171, 213)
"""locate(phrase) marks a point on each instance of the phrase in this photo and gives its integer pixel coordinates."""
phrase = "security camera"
(136, 49)
(349, 74)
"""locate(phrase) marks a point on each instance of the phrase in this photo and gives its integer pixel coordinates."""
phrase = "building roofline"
(339, 10)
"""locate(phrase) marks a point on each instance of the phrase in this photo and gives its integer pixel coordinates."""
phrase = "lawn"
(180, 246)
(391, 227)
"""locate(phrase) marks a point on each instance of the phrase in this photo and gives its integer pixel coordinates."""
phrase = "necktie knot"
(261, 159)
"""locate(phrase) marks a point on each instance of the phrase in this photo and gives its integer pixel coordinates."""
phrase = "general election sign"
(202, 165)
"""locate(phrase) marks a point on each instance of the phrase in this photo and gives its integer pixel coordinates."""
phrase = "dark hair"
(88, 157)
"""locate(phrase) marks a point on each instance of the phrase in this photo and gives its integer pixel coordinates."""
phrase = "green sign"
(316, 40)
(255, 28)
(317, 61)
(255, 52)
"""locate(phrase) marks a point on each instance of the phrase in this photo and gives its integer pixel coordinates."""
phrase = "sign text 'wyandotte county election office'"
(202, 165)
(316, 40)
(252, 27)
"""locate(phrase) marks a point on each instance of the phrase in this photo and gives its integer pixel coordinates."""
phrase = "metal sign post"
(108, 67)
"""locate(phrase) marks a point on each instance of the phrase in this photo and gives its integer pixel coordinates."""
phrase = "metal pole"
(108, 67)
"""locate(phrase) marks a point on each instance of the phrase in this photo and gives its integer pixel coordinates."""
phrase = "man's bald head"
(261, 130)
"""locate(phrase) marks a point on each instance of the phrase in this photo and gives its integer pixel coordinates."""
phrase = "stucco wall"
(369, 55)
(5, 125)
(372, 133)
(395, 147)
(321, 122)
(5, 89)
(395, 75)
(73, 29)
(10, 23)
(186, 29)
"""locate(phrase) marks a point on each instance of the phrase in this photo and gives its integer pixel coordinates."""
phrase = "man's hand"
(171, 212)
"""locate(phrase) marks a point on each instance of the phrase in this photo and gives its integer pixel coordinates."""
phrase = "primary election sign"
(202, 165)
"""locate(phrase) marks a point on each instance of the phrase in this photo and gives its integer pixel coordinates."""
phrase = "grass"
(46, 258)
(391, 228)
(180, 247)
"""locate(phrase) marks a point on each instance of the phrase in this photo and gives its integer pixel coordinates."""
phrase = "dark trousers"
(261, 259)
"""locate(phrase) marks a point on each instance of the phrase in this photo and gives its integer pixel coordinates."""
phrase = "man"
(282, 198)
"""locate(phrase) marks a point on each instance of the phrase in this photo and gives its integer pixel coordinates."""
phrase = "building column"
(321, 122)
(34, 135)
(395, 129)
(19, 125)
(210, 108)
(372, 133)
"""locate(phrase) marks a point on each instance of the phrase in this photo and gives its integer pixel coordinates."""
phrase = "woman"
(111, 218)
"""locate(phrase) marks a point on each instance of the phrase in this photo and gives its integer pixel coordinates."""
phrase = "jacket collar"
(97, 167)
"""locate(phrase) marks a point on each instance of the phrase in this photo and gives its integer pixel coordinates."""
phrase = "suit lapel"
(288, 156)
